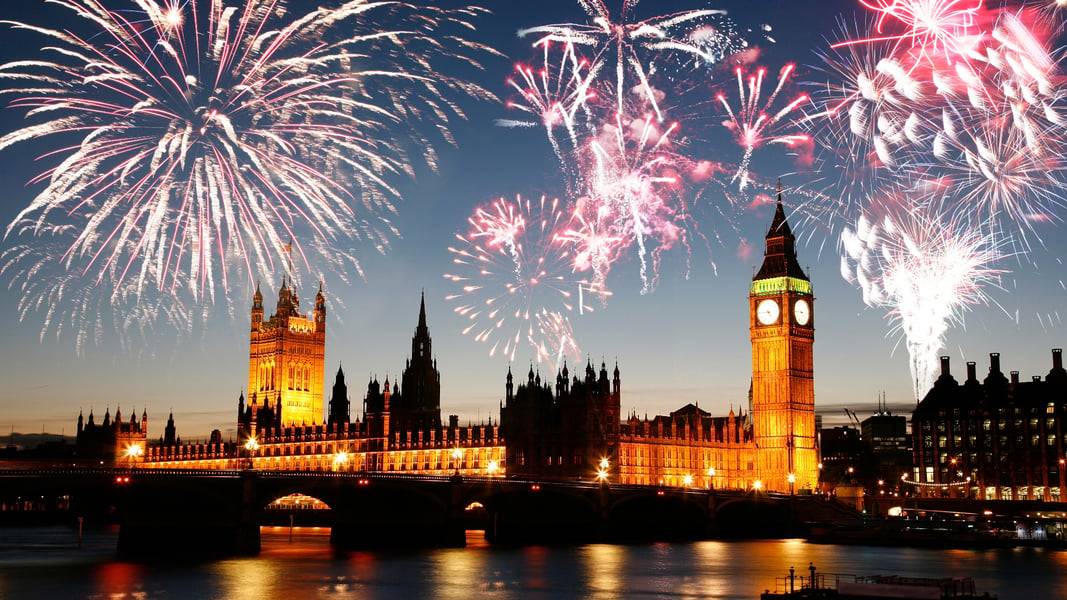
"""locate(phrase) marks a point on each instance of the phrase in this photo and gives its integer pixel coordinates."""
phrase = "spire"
(780, 257)
(422, 311)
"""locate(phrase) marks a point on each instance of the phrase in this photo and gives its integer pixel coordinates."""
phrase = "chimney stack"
(1057, 358)
(994, 362)
(971, 376)
(1015, 378)
(944, 367)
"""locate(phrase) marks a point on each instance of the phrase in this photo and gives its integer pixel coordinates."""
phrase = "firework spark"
(514, 265)
(926, 272)
(196, 140)
(754, 123)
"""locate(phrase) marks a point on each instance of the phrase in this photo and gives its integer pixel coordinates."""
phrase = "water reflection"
(307, 567)
(605, 567)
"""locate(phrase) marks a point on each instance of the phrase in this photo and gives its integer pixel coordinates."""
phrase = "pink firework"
(631, 193)
(946, 27)
(554, 94)
(511, 266)
(754, 123)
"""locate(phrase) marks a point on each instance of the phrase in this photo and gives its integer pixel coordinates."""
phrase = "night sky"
(684, 342)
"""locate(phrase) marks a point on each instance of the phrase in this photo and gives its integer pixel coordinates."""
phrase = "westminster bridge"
(191, 512)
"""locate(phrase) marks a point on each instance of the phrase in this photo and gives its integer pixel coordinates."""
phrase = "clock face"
(802, 312)
(767, 312)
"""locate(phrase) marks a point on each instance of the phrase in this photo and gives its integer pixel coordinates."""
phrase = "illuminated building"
(401, 428)
(567, 429)
(115, 442)
(999, 438)
(575, 432)
(286, 362)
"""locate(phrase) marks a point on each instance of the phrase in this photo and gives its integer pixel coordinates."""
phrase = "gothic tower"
(781, 326)
(286, 359)
(419, 405)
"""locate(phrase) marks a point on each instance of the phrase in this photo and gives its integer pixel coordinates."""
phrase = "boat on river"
(833, 586)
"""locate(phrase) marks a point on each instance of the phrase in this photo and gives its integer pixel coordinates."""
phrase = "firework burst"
(621, 45)
(755, 123)
(926, 272)
(514, 265)
(556, 94)
(631, 196)
(195, 140)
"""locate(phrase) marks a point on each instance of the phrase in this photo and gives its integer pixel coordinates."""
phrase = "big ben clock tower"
(781, 325)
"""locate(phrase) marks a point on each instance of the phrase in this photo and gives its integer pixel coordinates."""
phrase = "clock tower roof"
(780, 257)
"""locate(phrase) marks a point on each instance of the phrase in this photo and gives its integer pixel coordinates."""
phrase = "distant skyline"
(685, 341)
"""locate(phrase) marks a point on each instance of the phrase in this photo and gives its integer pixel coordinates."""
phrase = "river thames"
(38, 563)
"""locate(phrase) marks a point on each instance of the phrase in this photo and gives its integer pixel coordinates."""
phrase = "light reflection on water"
(46, 563)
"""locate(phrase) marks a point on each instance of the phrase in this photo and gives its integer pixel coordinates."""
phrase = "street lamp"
(792, 480)
(711, 478)
(687, 480)
(757, 485)
(340, 460)
(457, 455)
(251, 446)
(492, 467)
(133, 452)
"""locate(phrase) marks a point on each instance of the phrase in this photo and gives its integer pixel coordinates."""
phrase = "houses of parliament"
(564, 427)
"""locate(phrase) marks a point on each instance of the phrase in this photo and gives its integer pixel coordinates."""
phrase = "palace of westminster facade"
(569, 428)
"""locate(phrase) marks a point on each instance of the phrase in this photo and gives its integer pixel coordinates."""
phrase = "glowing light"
(687, 480)
(340, 460)
(251, 445)
(492, 467)
(134, 451)
(792, 478)
(757, 485)
(604, 463)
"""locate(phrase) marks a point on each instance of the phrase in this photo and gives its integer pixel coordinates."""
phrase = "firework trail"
(630, 195)
(926, 272)
(512, 266)
(207, 136)
(754, 123)
(620, 45)
(555, 94)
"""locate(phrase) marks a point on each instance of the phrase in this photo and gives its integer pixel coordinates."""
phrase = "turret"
(320, 311)
(510, 388)
(257, 308)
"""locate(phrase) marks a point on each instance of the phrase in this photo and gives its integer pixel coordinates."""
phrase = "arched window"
(290, 375)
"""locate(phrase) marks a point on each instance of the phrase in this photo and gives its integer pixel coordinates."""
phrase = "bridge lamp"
(757, 485)
(602, 476)
(687, 480)
(492, 467)
(134, 451)
(604, 464)
(252, 445)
